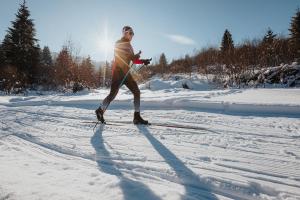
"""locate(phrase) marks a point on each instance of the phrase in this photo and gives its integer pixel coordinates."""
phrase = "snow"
(246, 145)
(194, 82)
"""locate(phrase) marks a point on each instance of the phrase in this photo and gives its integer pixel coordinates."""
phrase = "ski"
(122, 123)
(106, 123)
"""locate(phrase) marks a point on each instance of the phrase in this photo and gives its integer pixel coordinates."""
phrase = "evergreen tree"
(8, 73)
(20, 46)
(163, 63)
(227, 53)
(46, 68)
(227, 44)
(268, 48)
(5, 50)
(46, 58)
(269, 37)
(1, 56)
(1, 68)
(295, 33)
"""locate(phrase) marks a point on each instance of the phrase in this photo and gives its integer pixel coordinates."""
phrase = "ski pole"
(130, 69)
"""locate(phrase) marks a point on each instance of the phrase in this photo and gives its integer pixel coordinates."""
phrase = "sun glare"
(105, 43)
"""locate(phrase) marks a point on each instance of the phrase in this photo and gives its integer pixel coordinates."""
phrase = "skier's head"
(127, 32)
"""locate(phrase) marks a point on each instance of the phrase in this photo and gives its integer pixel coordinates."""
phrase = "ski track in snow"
(47, 152)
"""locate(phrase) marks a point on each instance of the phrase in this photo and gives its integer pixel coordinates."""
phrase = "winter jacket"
(124, 54)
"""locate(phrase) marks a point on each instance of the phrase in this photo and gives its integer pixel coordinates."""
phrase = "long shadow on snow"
(131, 189)
(195, 188)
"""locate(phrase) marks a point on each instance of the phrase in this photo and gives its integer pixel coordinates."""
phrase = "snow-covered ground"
(247, 145)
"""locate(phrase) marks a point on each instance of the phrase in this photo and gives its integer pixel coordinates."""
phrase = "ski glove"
(146, 61)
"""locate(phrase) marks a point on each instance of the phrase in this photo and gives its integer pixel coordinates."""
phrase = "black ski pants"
(117, 78)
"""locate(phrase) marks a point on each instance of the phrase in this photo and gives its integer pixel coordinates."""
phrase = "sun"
(106, 44)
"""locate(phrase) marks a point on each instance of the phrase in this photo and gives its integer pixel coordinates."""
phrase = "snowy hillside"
(219, 144)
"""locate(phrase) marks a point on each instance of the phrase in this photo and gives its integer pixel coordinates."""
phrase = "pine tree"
(1, 68)
(227, 53)
(5, 50)
(227, 44)
(268, 48)
(163, 63)
(295, 33)
(8, 73)
(2, 59)
(269, 37)
(46, 58)
(46, 68)
(20, 46)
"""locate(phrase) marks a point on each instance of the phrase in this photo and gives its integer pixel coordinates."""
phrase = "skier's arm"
(124, 52)
(142, 61)
(136, 58)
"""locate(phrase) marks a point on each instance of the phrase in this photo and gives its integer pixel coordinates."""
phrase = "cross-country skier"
(124, 54)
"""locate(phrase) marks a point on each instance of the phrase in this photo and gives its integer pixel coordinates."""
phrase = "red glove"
(136, 58)
(137, 61)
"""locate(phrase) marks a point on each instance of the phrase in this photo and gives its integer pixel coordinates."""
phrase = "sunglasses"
(130, 32)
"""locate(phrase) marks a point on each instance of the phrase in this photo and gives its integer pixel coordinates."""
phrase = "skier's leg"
(114, 89)
(133, 87)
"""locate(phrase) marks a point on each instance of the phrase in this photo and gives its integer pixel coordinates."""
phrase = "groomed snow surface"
(246, 145)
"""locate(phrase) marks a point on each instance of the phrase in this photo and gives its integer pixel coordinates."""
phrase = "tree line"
(232, 60)
(24, 64)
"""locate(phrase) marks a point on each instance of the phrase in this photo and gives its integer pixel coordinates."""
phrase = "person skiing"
(123, 55)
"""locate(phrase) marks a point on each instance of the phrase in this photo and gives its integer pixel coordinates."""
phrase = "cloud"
(180, 39)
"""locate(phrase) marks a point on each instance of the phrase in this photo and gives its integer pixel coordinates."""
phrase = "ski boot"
(99, 113)
(138, 119)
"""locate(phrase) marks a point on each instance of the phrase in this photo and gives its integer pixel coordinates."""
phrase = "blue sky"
(175, 27)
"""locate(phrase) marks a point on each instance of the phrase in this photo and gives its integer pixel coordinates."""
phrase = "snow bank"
(281, 76)
(180, 81)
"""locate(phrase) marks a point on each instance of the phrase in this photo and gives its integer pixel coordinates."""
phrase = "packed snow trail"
(47, 153)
